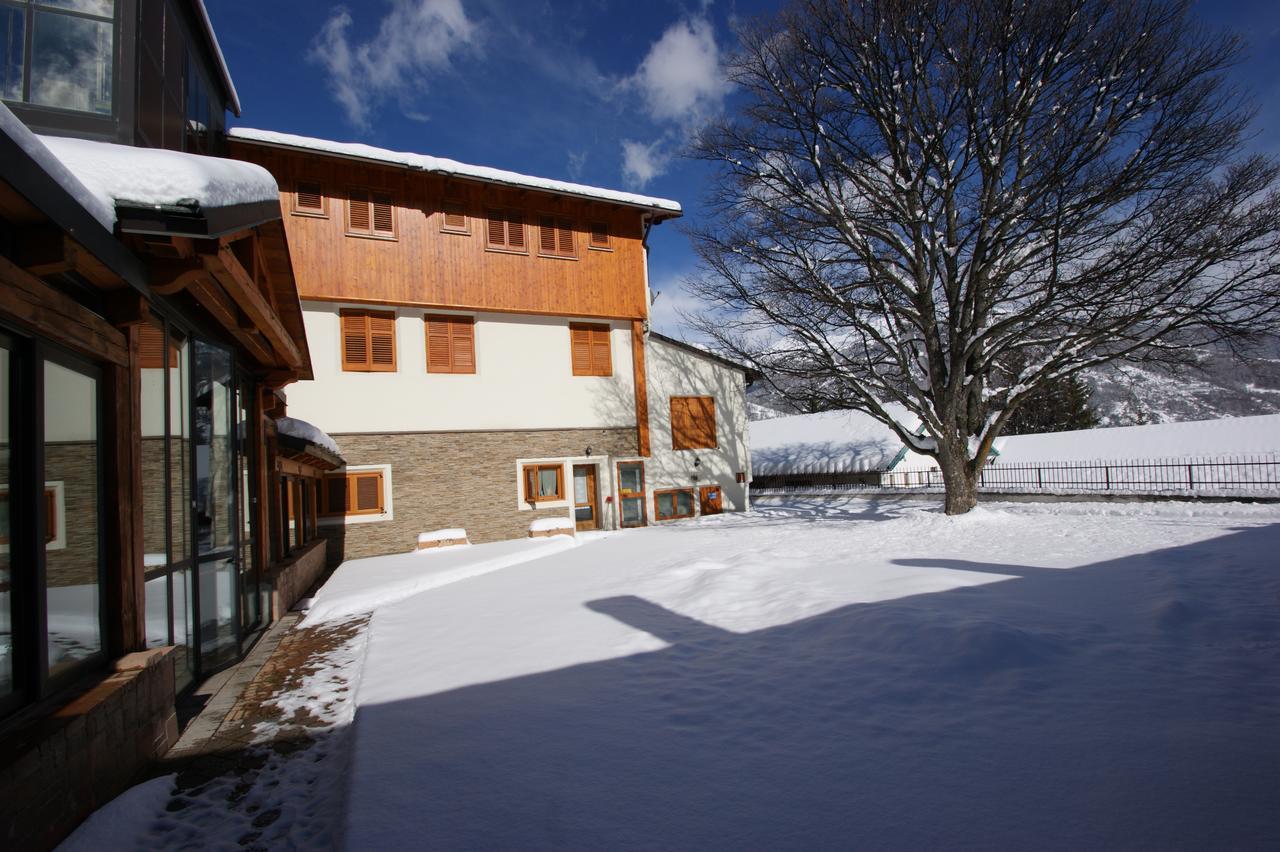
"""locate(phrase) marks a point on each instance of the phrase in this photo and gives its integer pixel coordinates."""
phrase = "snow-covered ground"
(856, 673)
(866, 673)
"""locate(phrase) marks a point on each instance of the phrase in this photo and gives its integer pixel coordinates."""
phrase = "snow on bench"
(442, 538)
(543, 527)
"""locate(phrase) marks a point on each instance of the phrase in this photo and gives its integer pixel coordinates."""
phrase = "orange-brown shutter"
(462, 332)
(497, 229)
(355, 341)
(438, 358)
(679, 423)
(547, 235)
(309, 197)
(383, 224)
(358, 211)
(455, 216)
(564, 237)
(382, 342)
(705, 421)
(580, 339)
(151, 347)
(368, 493)
(515, 229)
(600, 234)
(601, 356)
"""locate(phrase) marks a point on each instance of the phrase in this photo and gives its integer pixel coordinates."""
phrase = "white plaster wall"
(523, 380)
(675, 371)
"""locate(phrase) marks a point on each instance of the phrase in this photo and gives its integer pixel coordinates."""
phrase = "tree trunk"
(959, 480)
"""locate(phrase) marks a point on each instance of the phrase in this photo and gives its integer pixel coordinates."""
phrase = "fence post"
(1039, 479)
(1107, 469)
(1190, 482)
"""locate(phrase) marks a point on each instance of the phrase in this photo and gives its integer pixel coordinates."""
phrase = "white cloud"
(641, 163)
(681, 78)
(416, 37)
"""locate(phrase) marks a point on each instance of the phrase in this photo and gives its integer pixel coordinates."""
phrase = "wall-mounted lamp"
(697, 462)
(589, 450)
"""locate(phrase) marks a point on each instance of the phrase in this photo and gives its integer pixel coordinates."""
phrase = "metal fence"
(1219, 475)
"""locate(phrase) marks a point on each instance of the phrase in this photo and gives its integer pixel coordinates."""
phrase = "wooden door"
(631, 496)
(710, 498)
(586, 497)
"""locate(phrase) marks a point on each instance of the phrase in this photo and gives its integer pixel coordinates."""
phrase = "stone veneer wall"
(458, 479)
(294, 575)
(58, 769)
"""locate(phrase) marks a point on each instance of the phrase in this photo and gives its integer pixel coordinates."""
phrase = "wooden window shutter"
(564, 237)
(601, 354)
(450, 344)
(308, 197)
(547, 235)
(455, 216)
(599, 234)
(497, 229)
(515, 229)
(355, 340)
(693, 423)
(580, 341)
(358, 214)
(439, 359)
(383, 219)
(367, 499)
(590, 347)
(555, 236)
(462, 330)
(382, 342)
(151, 348)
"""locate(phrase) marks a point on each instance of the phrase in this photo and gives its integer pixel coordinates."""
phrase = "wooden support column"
(122, 478)
(642, 387)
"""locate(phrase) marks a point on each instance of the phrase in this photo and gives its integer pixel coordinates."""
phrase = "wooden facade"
(438, 252)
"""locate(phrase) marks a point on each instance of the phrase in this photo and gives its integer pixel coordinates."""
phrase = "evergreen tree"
(1060, 406)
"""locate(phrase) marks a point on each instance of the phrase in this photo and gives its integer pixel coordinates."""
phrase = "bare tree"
(950, 204)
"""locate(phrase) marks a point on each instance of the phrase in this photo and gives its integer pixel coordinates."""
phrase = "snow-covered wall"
(523, 380)
(1225, 436)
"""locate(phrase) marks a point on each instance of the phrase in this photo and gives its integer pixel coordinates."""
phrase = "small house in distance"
(825, 449)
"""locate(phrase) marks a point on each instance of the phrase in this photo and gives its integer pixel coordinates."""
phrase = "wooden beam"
(127, 307)
(170, 277)
(231, 274)
(641, 386)
(221, 308)
(40, 309)
(44, 251)
(122, 472)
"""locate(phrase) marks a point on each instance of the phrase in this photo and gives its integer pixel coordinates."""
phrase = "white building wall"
(675, 371)
(523, 380)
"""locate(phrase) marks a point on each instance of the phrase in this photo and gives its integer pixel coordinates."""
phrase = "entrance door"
(710, 500)
(586, 497)
(631, 497)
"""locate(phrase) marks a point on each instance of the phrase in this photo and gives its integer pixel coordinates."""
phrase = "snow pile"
(548, 524)
(440, 165)
(362, 585)
(826, 442)
(837, 674)
(305, 431)
(1232, 436)
(100, 208)
(153, 176)
(128, 815)
(448, 534)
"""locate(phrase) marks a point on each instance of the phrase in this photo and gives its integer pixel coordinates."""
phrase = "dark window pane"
(215, 452)
(72, 559)
(6, 618)
(12, 44)
(103, 8)
(71, 63)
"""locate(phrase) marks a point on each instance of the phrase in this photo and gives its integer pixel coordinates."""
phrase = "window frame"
(452, 336)
(299, 210)
(657, 507)
(371, 195)
(368, 365)
(77, 120)
(590, 368)
(676, 444)
(508, 216)
(535, 468)
(560, 223)
(325, 510)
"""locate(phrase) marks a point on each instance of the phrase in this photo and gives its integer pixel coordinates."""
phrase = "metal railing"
(1218, 475)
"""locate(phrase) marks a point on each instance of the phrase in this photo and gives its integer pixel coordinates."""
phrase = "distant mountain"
(1126, 395)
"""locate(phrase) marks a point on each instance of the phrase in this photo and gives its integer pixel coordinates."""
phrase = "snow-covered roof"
(102, 209)
(826, 442)
(308, 432)
(1234, 436)
(452, 168)
(217, 54)
(703, 351)
(150, 177)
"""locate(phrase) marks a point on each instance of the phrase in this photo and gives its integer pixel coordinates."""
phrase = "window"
(673, 503)
(55, 58)
(453, 217)
(309, 199)
(358, 493)
(50, 516)
(451, 346)
(506, 230)
(368, 341)
(370, 213)
(693, 423)
(555, 237)
(600, 236)
(151, 348)
(590, 349)
(543, 482)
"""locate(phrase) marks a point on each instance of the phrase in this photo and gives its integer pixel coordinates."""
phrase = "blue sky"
(604, 92)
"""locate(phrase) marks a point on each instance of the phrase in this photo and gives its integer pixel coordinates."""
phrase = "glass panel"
(179, 455)
(6, 619)
(582, 513)
(580, 494)
(71, 62)
(72, 558)
(217, 613)
(215, 454)
(666, 504)
(13, 41)
(157, 594)
(548, 481)
(249, 605)
(89, 7)
(182, 662)
(684, 502)
(152, 377)
(630, 477)
(632, 511)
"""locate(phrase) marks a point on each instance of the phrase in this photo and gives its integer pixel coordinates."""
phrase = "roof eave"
(201, 222)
